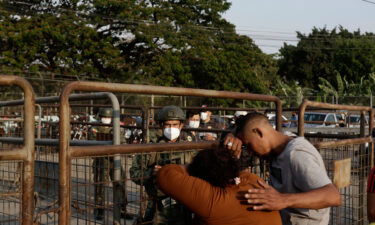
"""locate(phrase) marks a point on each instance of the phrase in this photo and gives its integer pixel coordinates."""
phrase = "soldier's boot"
(99, 214)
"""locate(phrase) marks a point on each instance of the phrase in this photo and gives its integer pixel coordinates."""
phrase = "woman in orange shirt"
(211, 187)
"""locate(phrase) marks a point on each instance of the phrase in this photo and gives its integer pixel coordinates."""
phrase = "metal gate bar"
(362, 109)
(26, 153)
(307, 103)
(116, 125)
(353, 197)
(65, 154)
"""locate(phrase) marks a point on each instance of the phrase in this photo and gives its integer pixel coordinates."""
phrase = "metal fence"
(66, 170)
(19, 199)
(67, 153)
(134, 198)
(356, 154)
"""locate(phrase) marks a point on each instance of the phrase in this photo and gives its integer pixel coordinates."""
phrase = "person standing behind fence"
(293, 120)
(208, 122)
(300, 187)
(144, 167)
(103, 166)
(193, 121)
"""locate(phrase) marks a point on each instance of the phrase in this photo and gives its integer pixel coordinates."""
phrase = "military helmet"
(105, 112)
(170, 112)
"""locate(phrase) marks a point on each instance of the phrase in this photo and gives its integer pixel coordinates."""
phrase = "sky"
(272, 22)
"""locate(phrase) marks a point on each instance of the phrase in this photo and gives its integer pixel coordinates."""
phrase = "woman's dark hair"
(218, 167)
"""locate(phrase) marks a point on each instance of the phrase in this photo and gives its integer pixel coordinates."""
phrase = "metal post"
(371, 130)
(27, 152)
(152, 105)
(371, 100)
(116, 161)
(362, 149)
(39, 130)
(91, 108)
(146, 124)
(122, 103)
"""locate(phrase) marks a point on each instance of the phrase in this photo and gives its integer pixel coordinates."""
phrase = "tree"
(324, 53)
(291, 92)
(348, 92)
(173, 43)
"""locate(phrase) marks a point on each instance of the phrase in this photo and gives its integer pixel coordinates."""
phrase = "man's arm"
(268, 198)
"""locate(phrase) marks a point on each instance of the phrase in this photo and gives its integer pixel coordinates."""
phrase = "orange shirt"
(214, 205)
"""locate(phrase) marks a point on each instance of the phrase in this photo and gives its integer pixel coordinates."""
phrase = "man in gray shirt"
(300, 187)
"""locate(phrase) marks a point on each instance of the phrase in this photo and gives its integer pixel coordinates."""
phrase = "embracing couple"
(214, 188)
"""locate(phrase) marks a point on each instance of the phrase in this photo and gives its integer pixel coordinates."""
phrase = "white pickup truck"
(319, 119)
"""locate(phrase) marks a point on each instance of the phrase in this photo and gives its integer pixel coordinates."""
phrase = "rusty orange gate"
(75, 163)
(25, 154)
(348, 163)
(67, 152)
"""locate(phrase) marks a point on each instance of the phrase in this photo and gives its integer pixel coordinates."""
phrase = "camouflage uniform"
(192, 136)
(142, 173)
(104, 172)
(212, 124)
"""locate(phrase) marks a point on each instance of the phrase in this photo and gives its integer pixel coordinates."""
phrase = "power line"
(368, 1)
(150, 22)
(265, 37)
(249, 33)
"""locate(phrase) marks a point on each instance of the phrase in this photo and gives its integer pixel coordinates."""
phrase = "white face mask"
(106, 120)
(128, 133)
(194, 124)
(171, 133)
(204, 115)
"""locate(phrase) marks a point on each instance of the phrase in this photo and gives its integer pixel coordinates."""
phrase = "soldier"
(144, 167)
(193, 121)
(208, 121)
(103, 164)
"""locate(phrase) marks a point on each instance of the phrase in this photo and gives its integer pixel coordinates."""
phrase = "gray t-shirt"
(300, 168)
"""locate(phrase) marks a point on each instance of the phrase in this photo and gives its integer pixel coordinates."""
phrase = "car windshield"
(314, 117)
(273, 118)
(354, 119)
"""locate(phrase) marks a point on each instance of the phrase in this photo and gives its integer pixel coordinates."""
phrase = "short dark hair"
(242, 121)
(191, 113)
(218, 167)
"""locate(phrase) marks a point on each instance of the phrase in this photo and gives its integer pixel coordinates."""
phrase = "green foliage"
(324, 53)
(291, 92)
(344, 88)
(172, 43)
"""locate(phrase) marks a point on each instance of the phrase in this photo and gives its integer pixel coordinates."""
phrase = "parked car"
(354, 121)
(318, 119)
(272, 118)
